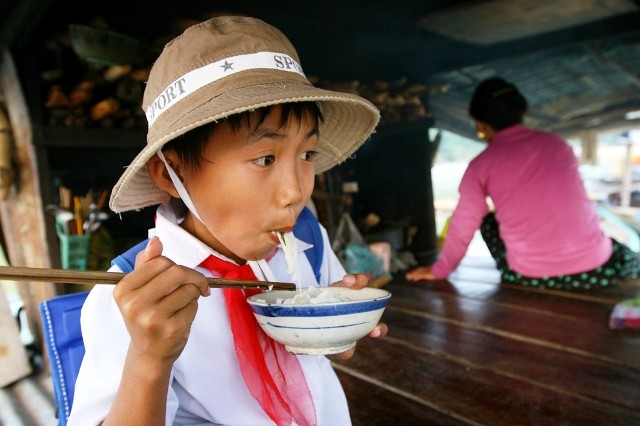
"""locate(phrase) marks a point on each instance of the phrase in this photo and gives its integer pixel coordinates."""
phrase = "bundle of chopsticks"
(79, 215)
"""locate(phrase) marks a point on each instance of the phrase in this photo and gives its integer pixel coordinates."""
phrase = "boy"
(236, 134)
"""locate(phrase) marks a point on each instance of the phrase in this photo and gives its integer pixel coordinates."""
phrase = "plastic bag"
(347, 233)
(353, 251)
(361, 260)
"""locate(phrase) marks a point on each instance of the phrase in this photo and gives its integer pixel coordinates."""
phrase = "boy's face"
(252, 183)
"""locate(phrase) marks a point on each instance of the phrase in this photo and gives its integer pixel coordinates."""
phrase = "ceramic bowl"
(319, 328)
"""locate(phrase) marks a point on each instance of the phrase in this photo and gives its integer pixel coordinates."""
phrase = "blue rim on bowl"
(264, 304)
(319, 310)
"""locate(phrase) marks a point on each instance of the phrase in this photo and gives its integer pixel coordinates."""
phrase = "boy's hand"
(356, 282)
(158, 301)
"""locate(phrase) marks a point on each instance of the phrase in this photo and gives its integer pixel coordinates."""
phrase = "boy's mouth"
(278, 235)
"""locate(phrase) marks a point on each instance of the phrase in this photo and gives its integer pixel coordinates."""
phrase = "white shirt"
(207, 386)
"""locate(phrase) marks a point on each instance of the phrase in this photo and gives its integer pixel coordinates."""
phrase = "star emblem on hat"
(227, 66)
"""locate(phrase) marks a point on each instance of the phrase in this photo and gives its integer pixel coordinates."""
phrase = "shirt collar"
(508, 134)
(179, 245)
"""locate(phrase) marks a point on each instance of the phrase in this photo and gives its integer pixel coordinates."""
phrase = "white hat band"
(200, 77)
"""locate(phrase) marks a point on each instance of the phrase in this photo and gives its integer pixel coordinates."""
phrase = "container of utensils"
(74, 249)
(77, 219)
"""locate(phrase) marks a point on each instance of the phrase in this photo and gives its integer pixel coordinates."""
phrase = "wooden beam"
(22, 216)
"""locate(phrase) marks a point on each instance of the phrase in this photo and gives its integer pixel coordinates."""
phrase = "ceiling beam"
(18, 24)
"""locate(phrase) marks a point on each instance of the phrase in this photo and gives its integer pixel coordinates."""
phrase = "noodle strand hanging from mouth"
(290, 248)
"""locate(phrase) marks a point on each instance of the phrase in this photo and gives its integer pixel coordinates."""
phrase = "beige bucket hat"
(224, 66)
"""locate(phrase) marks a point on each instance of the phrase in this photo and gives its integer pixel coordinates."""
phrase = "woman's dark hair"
(498, 103)
(190, 146)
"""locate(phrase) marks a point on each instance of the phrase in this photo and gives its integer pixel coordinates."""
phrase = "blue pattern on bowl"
(320, 310)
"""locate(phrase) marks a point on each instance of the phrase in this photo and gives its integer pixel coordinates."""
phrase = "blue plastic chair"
(63, 340)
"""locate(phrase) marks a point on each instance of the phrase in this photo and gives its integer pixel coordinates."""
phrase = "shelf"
(73, 137)
(403, 128)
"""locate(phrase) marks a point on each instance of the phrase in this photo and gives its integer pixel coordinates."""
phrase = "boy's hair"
(498, 103)
(190, 146)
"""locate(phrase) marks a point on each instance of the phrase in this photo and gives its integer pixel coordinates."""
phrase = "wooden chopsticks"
(15, 273)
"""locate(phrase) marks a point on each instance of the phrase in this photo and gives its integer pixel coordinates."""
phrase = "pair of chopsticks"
(15, 273)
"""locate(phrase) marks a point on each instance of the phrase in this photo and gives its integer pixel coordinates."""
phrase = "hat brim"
(348, 121)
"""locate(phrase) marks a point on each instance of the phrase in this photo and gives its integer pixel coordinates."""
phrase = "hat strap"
(182, 191)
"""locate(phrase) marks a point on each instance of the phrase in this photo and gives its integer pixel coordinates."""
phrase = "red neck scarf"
(272, 374)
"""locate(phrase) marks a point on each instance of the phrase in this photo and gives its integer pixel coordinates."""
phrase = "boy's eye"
(309, 155)
(265, 161)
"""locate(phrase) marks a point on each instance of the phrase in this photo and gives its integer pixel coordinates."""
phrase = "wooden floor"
(28, 402)
(471, 351)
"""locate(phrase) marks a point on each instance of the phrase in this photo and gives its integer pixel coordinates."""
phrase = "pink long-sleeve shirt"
(547, 222)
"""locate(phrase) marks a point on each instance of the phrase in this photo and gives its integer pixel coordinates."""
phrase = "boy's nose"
(290, 189)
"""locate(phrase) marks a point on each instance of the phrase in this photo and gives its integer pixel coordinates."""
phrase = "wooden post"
(589, 141)
(22, 214)
(627, 178)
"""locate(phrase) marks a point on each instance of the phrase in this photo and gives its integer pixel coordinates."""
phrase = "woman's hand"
(356, 282)
(421, 273)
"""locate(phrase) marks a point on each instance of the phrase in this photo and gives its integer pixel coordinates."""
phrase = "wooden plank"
(545, 367)
(608, 296)
(480, 271)
(583, 337)
(475, 394)
(14, 363)
(470, 287)
(467, 287)
(371, 404)
(546, 303)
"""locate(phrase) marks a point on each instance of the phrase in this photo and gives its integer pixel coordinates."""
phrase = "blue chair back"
(65, 348)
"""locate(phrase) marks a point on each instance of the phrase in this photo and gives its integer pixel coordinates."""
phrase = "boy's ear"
(159, 174)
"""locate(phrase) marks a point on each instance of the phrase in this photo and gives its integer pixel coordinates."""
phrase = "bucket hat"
(224, 66)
